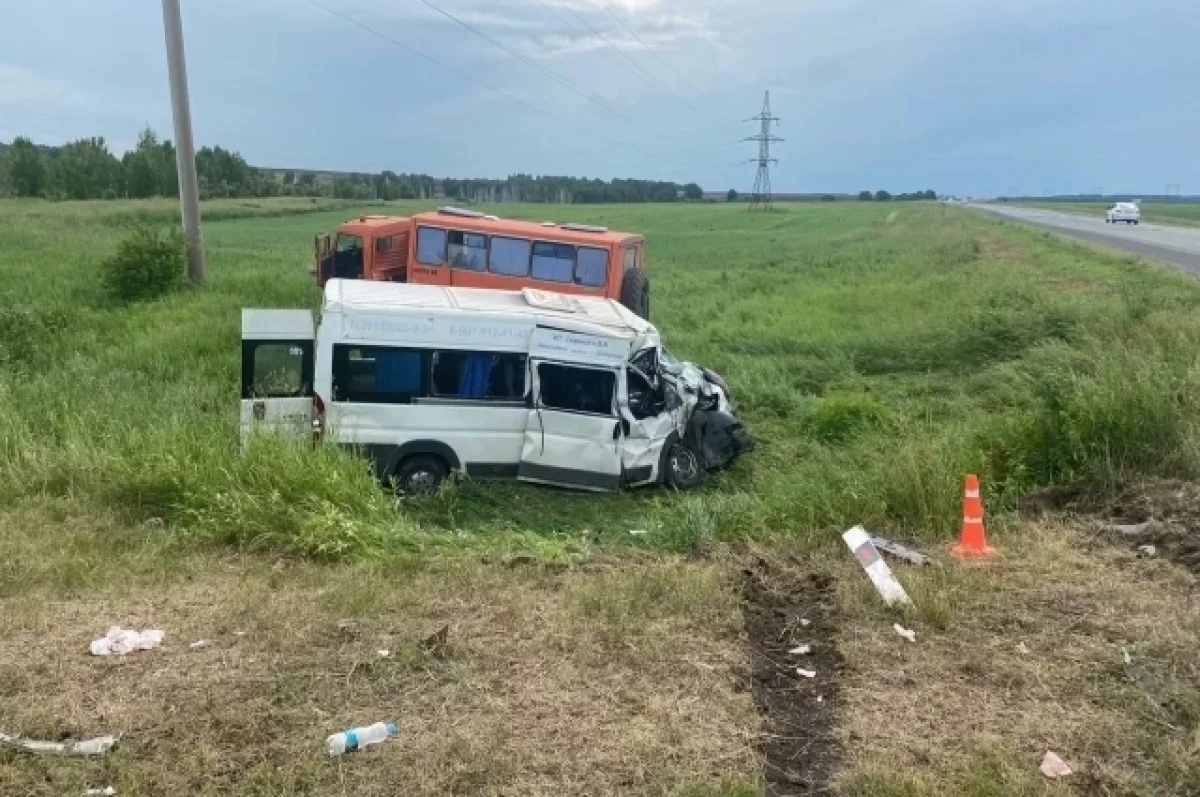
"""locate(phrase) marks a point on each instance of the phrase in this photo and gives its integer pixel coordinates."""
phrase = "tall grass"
(875, 357)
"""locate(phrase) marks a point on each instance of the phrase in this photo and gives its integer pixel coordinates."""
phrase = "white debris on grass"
(806, 673)
(803, 650)
(119, 641)
(911, 636)
(96, 746)
(199, 644)
(805, 622)
(638, 532)
(384, 653)
(1053, 766)
(107, 791)
(1022, 648)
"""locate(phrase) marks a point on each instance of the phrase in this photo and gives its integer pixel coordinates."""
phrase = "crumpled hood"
(694, 386)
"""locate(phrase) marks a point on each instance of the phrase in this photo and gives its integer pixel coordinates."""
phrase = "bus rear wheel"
(635, 292)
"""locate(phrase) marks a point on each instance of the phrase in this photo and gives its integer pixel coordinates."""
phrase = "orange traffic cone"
(973, 544)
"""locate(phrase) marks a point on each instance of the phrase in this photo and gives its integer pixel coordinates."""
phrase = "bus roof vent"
(548, 224)
(545, 300)
(490, 217)
(584, 228)
(469, 214)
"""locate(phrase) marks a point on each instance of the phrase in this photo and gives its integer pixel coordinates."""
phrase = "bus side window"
(630, 257)
(431, 246)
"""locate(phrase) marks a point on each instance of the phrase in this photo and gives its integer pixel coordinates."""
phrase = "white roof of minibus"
(588, 314)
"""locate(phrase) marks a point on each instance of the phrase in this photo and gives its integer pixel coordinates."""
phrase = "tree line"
(884, 196)
(88, 169)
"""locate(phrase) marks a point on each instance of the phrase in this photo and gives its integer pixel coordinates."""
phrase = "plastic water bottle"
(358, 738)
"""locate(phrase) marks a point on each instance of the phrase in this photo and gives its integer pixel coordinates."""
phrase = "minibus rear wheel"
(421, 476)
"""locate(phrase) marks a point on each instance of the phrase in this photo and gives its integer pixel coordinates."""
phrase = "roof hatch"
(545, 300)
(584, 228)
(467, 214)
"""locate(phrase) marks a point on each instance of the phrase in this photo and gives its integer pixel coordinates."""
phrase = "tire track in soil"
(798, 745)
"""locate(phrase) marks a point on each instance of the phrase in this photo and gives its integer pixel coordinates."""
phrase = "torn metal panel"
(900, 550)
(642, 448)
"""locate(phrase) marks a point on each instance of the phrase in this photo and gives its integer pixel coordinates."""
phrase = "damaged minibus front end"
(684, 425)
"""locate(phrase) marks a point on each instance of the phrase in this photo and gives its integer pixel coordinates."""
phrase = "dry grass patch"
(600, 679)
(1020, 656)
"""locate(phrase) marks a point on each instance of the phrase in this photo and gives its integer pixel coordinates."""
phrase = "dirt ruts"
(784, 607)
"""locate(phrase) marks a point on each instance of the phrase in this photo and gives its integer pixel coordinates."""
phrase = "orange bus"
(469, 249)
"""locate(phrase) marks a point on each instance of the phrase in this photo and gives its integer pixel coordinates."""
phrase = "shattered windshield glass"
(668, 361)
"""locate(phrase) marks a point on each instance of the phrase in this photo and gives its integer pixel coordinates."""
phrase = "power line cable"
(590, 96)
(648, 49)
(636, 67)
(573, 27)
(483, 84)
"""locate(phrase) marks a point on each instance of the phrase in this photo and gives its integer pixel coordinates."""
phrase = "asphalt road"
(1176, 246)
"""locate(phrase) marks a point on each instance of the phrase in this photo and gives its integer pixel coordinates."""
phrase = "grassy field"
(876, 354)
(1181, 214)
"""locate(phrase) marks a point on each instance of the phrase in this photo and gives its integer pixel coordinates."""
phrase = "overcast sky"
(965, 96)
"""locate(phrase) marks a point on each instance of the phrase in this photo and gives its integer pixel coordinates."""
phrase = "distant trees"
(731, 196)
(150, 168)
(25, 167)
(828, 198)
(884, 196)
(86, 169)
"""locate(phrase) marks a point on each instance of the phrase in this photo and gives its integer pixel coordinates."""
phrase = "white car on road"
(1127, 212)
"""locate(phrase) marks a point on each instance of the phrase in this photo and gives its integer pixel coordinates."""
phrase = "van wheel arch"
(421, 448)
(420, 475)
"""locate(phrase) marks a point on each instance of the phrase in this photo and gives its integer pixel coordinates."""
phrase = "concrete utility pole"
(185, 149)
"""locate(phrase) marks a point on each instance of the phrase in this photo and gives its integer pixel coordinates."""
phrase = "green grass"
(876, 355)
(1179, 213)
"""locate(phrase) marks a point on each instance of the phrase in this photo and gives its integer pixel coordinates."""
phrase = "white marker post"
(859, 542)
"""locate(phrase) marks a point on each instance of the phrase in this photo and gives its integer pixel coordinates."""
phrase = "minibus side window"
(277, 371)
(478, 375)
(379, 374)
(587, 390)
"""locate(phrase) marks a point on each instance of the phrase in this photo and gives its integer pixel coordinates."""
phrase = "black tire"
(635, 292)
(684, 469)
(420, 476)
